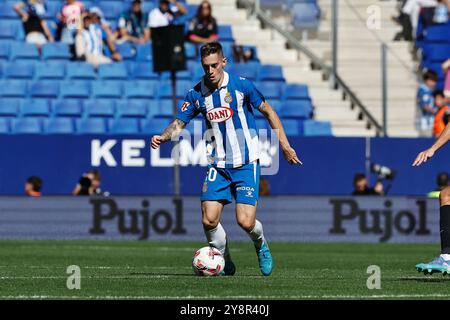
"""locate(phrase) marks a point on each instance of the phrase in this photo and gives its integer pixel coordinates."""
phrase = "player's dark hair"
(430, 75)
(36, 182)
(358, 177)
(442, 179)
(438, 93)
(211, 48)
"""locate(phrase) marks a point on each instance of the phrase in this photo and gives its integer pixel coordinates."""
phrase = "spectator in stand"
(89, 184)
(412, 8)
(98, 19)
(446, 69)
(165, 14)
(203, 27)
(425, 104)
(89, 43)
(33, 186)
(361, 186)
(70, 20)
(36, 29)
(441, 11)
(442, 114)
(132, 25)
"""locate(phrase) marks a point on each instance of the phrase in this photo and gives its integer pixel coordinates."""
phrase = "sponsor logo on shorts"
(219, 114)
(249, 191)
(205, 187)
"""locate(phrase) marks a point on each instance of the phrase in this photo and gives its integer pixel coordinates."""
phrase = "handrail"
(327, 70)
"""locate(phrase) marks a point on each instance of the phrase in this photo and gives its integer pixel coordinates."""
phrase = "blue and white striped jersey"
(231, 136)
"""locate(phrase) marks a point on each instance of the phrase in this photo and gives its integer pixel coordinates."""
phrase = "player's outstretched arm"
(275, 123)
(425, 155)
(172, 130)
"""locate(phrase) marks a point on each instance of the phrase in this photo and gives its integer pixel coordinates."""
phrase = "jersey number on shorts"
(212, 174)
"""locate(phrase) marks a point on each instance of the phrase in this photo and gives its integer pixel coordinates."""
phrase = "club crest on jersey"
(228, 98)
(185, 106)
(219, 114)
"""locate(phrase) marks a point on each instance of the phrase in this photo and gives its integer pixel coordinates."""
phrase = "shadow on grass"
(425, 279)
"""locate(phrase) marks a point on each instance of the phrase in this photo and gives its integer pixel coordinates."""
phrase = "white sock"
(446, 257)
(217, 238)
(257, 235)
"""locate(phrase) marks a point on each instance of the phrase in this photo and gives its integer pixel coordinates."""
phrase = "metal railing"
(328, 72)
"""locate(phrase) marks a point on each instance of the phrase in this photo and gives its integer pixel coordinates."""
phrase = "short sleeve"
(187, 111)
(254, 96)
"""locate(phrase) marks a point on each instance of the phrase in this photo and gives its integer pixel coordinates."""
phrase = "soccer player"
(227, 103)
(442, 262)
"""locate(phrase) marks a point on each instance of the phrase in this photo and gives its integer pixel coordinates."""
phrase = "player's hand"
(156, 142)
(423, 157)
(291, 156)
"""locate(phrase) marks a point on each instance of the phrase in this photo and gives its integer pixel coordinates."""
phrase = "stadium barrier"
(286, 218)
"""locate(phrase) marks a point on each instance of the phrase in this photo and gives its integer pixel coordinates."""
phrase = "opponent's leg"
(215, 233)
(246, 218)
(441, 263)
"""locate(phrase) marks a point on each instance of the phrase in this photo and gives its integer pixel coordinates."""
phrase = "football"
(208, 261)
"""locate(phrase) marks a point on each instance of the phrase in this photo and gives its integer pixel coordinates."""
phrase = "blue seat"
(316, 128)
(144, 52)
(244, 70)
(270, 90)
(4, 126)
(4, 50)
(299, 109)
(111, 9)
(44, 89)
(296, 91)
(305, 15)
(154, 126)
(23, 51)
(27, 125)
(165, 108)
(291, 127)
(139, 89)
(74, 89)
(35, 108)
(225, 33)
(190, 50)
(126, 50)
(59, 126)
(143, 70)
(67, 108)
(80, 71)
(269, 72)
(438, 32)
(261, 124)
(56, 51)
(91, 126)
(133, 109)
(124, 126)
(11, 29)
(106, 89)
(13, 88)
(99, 108)
(180, 75)
(165, 89)
(50, 70)
(113, 71)
(7, 10)
(18, 70)
(9, 107)
(437, 52)
(150, 105)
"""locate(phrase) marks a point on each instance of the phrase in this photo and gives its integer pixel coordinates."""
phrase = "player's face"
(213, 67)
(361, 185)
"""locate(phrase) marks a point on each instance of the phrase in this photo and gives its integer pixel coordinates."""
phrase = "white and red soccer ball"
(208, 261)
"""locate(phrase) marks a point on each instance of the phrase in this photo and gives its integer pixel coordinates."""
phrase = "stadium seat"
(113, 71)
(181, 75)
(126, 50)
(106, 89)
(11, 29)
(7, 10)
(190, 50)
(270, 73)
(56, 51)
(150, 105)
(27, 125)
(80, 71)
(299, 109)
(90, 126)
(13, 88)
(124, 126)
(53, 8)
(305, 15)
(143, 70)
(244, 70)
(18, 70)
(437, 52)
(316, 128)
(59, 126)
(4, 50)
(270, 90)
(165, 89)
(4, 126)
(291, 127)
(44, 89)
(9, 107)
(165, 108)
(50, 70)
(225, 33)
(144, 52)
(104, 108)
(438, 33)
(74, 89)
(111, 9)
(295, 91)
(139, 89)
(23, 51)
(67, 108)
(35, 108)
(154, 126)
(133, 109)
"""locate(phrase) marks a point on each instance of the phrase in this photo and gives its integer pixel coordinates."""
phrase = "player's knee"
(209, 224)
(444, 197)
(246, 223)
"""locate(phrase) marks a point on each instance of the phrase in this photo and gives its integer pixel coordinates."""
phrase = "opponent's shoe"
(437, 265)
(229, 269)
(265, 259)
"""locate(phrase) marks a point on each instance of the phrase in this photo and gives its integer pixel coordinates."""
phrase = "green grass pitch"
(162, 270)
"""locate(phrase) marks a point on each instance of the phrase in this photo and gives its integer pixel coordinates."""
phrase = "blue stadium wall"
(329, 165)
